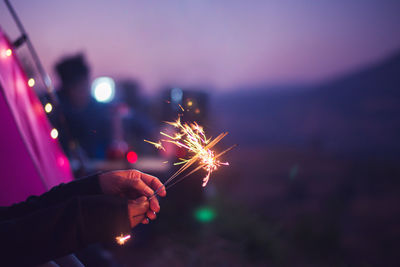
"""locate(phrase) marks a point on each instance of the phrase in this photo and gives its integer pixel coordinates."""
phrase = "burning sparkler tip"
(122, 239)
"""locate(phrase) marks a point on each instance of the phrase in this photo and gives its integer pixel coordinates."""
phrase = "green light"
(204, 214)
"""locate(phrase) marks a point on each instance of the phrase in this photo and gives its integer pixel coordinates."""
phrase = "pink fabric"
(31, 162)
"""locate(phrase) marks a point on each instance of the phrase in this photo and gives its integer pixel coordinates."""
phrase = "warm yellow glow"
(6, 53)
(121, 240)
(190, 103)
(31, 82)
(48, 108)
(192, 137)
(54, 133)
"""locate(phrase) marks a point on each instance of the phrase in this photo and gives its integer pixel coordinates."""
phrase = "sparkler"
(191, 136)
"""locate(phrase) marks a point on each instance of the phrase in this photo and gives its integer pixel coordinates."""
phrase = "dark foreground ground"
(278, 207)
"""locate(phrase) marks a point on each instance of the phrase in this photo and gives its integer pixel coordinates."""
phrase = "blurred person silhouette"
(72, 216)
(88, 122)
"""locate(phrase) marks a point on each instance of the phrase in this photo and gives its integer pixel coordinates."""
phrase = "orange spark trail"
(158, 145)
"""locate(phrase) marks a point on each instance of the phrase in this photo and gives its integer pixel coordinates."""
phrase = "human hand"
(137, 210)
(133, 184)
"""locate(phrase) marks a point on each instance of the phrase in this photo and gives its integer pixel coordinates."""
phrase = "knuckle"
(134, 175)
(132, 181)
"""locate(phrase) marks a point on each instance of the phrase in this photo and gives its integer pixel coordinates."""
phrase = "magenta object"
(31, 162)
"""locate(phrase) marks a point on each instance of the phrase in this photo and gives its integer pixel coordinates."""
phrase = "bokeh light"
(103, 89)
(54, 133)
(6, 53)
(131, 157)
(48, 108)
(204, 214)
(31, 82)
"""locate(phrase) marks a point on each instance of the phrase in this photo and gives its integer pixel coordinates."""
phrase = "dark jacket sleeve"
(61, 221)
(62, 228)
(82, 187)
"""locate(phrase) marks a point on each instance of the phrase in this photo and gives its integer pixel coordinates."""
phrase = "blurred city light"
(31, 82)
(54, 133)
(103, 89)
(204, 214)
(48, 108)
(6, 53)
(61, 160)
(131, 157)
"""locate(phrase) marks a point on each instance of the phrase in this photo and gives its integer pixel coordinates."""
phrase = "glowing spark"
(192, 137)
(121, 240)
(158, 145)
(181, 107)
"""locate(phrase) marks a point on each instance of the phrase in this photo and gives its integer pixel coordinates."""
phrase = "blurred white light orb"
(103, 89)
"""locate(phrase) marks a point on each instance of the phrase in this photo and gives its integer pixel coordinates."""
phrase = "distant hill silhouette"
(358, 114)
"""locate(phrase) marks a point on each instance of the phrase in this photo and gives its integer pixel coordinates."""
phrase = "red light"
(131, 157)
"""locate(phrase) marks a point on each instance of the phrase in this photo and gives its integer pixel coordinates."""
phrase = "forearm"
(62, 229)
(82, 187)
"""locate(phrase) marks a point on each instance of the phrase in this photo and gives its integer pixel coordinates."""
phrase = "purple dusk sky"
(222, 44)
